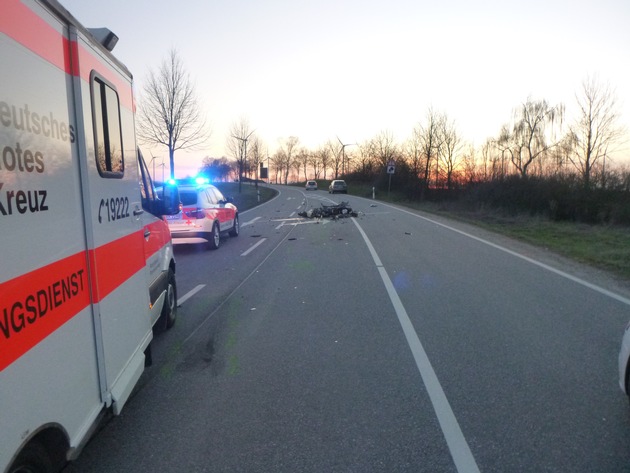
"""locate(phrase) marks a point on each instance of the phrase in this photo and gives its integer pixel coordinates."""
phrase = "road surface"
(391, 342)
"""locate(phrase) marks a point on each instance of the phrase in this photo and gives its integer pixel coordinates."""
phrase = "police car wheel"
(236, 229)
(214, 239)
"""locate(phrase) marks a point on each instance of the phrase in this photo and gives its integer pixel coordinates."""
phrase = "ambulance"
(86, 262)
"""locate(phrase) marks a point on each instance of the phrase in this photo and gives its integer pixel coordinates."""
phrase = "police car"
(204, 213)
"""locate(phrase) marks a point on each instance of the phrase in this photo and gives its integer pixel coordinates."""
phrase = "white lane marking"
(460, 451)
(291, 214)
(189, 294)
(249, 222)
(279, 226)
(568, 276)
(245, 253)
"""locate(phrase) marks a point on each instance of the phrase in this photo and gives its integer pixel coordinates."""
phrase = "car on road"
(338, 185)
(204, 213)
(624, 362)
(311, 186)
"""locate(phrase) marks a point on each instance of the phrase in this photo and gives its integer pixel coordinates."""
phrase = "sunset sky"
(354, 68)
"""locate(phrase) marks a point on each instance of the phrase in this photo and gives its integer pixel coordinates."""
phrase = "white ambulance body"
(86, 261)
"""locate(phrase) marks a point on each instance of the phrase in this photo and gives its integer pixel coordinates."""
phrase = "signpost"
(391, 168)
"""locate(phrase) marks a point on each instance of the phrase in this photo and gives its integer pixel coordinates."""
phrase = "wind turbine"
(343, 158)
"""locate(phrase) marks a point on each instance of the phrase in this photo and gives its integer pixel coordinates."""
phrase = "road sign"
(390, 169)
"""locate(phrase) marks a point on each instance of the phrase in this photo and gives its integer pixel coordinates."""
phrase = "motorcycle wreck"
(341, 210)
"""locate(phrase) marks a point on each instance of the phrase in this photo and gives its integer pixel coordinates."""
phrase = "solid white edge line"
(457, 445)
(245, 253)
(189, 294)
(575, 279)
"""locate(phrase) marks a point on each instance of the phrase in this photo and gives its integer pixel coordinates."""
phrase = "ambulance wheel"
(214, 238)
(169, 309)
(32, 459)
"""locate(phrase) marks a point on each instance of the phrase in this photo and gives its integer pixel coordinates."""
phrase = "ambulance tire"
(32, 459)
(214, 238)
(169, 309)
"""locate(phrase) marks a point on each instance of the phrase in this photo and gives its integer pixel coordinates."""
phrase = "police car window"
(216, 195)
(107, 129)
(212, 197)
(188, 198)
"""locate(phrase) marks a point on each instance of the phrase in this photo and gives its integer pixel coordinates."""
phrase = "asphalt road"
(390, 342)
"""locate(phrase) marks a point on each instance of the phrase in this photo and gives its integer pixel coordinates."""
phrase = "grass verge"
(606, 247)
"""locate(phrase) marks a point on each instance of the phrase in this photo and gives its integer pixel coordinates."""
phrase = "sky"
(351, 69)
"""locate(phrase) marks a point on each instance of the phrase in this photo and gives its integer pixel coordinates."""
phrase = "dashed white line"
(189, 294)
(245, 253)
(249, 222)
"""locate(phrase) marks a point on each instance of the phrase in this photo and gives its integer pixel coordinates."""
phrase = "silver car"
(311, 186)
(338, 185)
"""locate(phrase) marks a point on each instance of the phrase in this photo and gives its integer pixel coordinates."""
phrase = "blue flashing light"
(201, 180)
(171, 182)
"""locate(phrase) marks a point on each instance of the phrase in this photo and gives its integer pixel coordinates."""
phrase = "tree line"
(537, 162)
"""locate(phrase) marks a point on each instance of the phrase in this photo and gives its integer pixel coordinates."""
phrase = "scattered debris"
(330, 211)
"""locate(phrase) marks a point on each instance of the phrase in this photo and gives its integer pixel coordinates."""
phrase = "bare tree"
(335, 153)
(237, 138)
(384, 148)
(287, 153)
(429, 141)
(532, 134)
(596, 130)
(169, 113)
(277, 161)
(315, 162)
(470, 164)
(366, 151)
(302, 160)
(322, 157)
(449, 149)
(413, 153)
(256, 155)
(216, 169)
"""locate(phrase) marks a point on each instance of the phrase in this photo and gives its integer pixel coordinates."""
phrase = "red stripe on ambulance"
(36, 304)
(114, 263)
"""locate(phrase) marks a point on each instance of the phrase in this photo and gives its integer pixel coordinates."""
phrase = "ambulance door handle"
(147, 233)
(138, 212)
